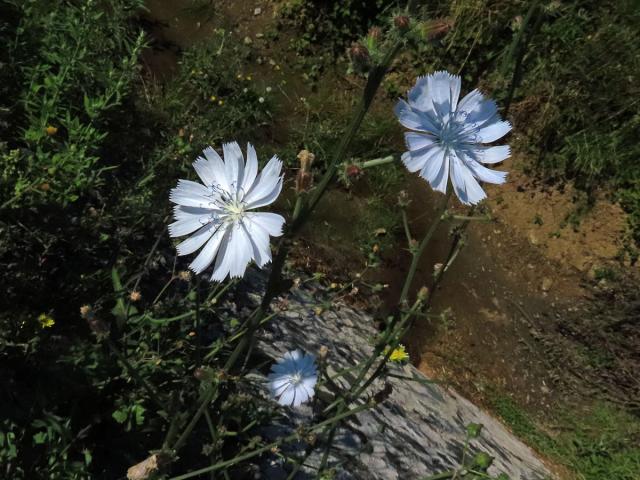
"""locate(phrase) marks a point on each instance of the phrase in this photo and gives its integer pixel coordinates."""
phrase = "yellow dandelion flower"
(51, 130)
(46, 321)
(213, 98)
(399, 354)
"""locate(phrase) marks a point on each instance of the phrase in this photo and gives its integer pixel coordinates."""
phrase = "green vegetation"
(595, 443)
(90, 144)
(566, 71)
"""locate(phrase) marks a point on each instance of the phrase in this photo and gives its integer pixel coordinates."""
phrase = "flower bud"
(402, 22)
(135, 296)
(403, 199)
(85, 311)
(98, 327)
(304, 179)
(323, 352)
(483, 460)
(148, 468)
(423, 294)
(353, 171)
(437, 268)
(375, 34)
(473, 430)
(436, 28)
(360, 58)
(184, 275)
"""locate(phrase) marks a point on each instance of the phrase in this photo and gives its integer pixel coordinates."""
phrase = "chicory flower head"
(293, 378)
(217, 212)
(450, 137)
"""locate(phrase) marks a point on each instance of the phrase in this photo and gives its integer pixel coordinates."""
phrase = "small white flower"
(449, 136)
(218, 211)
(293, 378)
(261, 99)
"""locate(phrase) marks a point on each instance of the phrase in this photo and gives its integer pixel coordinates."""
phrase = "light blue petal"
(492, 154)
(435, 170)
(493, 131)
(465, 185)
(444, 91)
(414, 119)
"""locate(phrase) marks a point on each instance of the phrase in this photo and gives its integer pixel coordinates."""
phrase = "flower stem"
(377, 162)
(418, 253)
(266, 448)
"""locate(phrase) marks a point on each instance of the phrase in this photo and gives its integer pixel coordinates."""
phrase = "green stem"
(418, 253)
(207, 398)
(377, 162)
(153, 395)
(266, 448)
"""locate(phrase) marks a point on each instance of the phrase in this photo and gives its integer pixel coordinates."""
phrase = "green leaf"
(40, 438)
(120, 415)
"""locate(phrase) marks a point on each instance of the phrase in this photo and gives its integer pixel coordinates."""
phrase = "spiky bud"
(402, 22)
(360, 58)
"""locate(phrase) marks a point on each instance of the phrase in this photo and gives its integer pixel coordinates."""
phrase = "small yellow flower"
(239, 76)
(334, 286)
(220, 102)
(399, 354)
(51, 130)
(248, 78)
(46, 321)
(213, 98)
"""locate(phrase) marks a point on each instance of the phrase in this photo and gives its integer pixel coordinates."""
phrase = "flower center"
(296, 379)
(235, 210)
(451, 133)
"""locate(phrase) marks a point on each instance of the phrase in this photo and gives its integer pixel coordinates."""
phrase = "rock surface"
(418, 431)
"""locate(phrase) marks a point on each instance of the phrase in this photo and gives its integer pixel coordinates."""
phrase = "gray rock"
(418, 431)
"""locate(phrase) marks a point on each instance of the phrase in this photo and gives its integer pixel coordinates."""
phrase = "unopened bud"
(204, 374)
(353, 171)
(423, 294)
(306, 159)
(323, 352)
(98, 327)
(437, 268)
(375, 34)
(304, 181)
(360, 58)
(402, 22)
(403, 199)
(85, 311)
(147, 468)
(184, 275)
(436, 28)
(483, 460)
